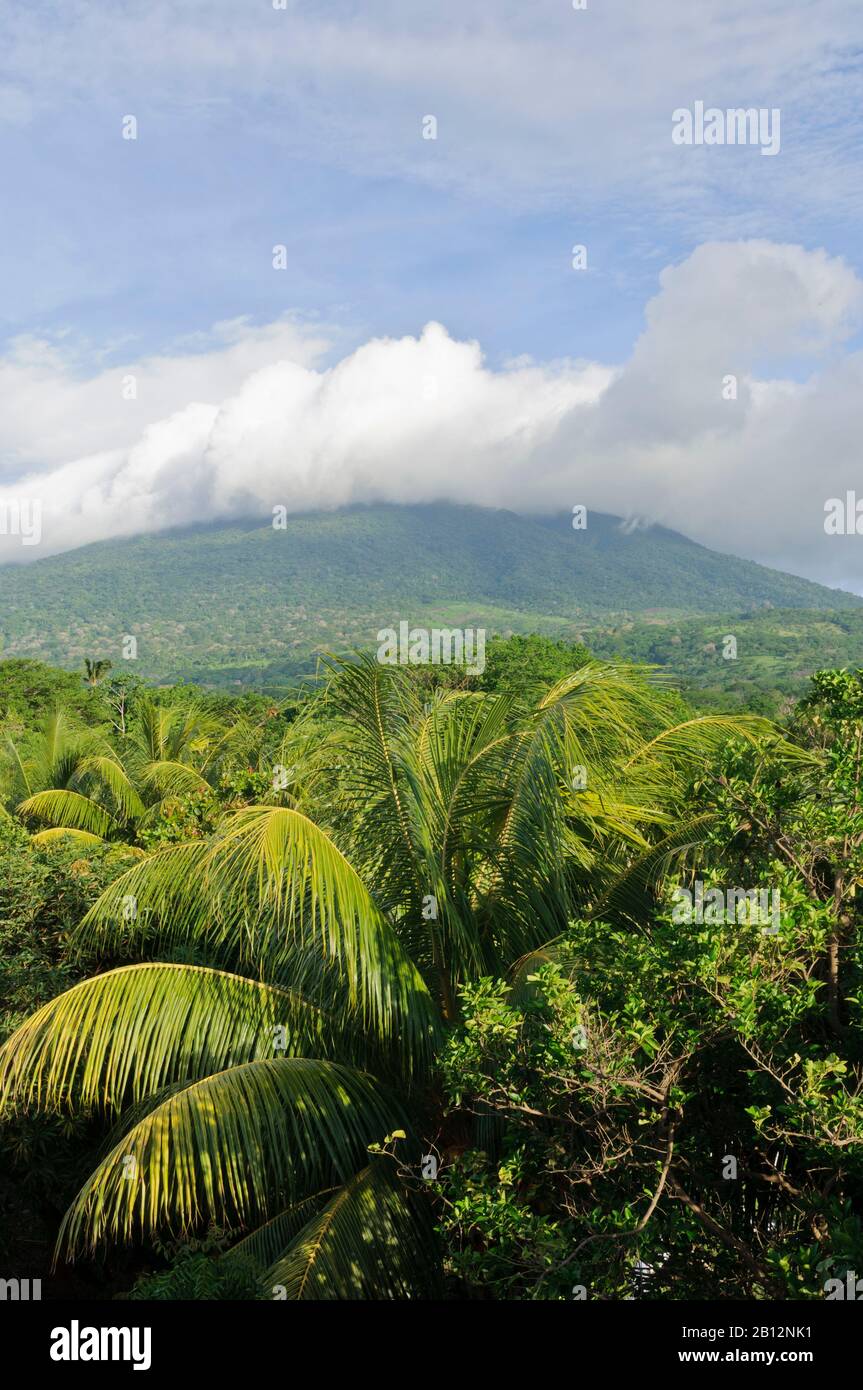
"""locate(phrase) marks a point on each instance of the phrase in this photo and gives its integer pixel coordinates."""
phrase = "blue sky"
(302, 126)
(316, 143)
(151, 240)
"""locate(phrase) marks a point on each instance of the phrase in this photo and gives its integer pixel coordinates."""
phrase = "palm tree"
(425, 845)
(95, 671)
(75, 783)
(69, 778)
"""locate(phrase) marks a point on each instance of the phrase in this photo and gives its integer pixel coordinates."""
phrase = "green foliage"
(525, 665)
(29, 690)
(778, 650)
(707, 1043)
(427, 936)
(608, 1171)
(44, 893)
(196, 1276)
(196, 1273)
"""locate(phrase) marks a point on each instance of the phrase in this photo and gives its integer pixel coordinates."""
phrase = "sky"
(336, 263)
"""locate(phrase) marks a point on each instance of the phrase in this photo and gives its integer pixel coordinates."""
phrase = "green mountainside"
(244, 602)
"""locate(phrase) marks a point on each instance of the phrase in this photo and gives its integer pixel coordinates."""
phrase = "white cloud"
(409, 419)
(52, 411)
(415, 419)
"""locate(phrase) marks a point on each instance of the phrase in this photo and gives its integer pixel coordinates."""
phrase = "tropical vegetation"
(384, 991)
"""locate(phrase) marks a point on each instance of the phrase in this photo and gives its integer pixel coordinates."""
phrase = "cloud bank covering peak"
(257, 417)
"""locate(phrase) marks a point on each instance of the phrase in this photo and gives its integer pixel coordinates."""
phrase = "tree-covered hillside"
(251, 602)
(768, 665)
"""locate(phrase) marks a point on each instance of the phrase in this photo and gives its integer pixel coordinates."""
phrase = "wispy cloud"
(533, 101)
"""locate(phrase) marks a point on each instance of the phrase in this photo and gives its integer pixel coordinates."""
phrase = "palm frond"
(57, 832)
(115, 777)
(690, 740)
(232, 1149)
(116, 1038)
(268, 880)
(628, 891)
(268, 1243)
(63, 807)
(371, 1241)
(175, 777)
